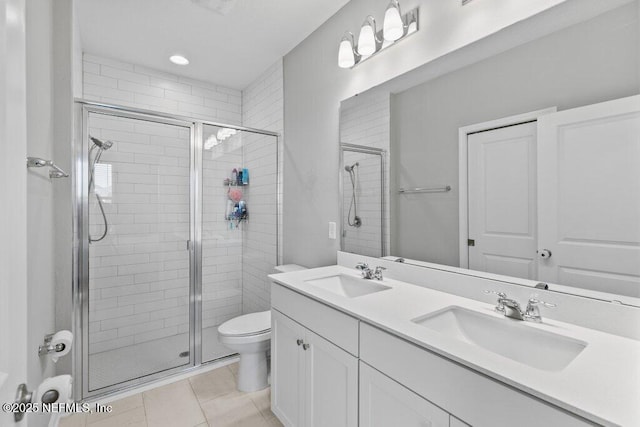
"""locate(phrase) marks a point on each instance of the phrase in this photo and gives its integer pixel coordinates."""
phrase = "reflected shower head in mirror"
(353, 205)
(105, 145)
(350, 168)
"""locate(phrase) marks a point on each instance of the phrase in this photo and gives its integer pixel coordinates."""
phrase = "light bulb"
(393, 27)
(179, 60)
(366, 39)
(346, 58)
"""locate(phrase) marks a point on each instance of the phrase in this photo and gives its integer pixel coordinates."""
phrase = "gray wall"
(314, 87)
(588, 63)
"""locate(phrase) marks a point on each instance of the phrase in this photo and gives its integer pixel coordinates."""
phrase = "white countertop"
(601, 384)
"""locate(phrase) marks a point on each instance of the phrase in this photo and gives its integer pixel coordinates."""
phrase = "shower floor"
(135, 361)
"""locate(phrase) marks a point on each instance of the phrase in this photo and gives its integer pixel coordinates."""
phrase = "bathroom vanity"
(347, 351)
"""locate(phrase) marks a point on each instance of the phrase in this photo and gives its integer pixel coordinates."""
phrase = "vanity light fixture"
(393, 28)
(179, 60)
(368, 41)
(347, 55)
(371, 41)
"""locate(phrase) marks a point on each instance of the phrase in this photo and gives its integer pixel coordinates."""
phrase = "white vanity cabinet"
(469, 396)
(314, 381)
(331, 369)
(384, 402)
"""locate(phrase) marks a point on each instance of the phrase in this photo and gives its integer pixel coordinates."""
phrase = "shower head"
(105, 145)
(350, 168)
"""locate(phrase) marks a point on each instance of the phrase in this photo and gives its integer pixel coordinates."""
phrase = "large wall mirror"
(524, 162)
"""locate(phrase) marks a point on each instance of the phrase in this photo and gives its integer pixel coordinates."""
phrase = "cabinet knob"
(299, 342)
(305, 346)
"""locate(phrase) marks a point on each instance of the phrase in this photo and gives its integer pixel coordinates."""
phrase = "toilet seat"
(248, 325)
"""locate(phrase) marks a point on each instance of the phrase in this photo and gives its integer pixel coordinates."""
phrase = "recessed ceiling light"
(179, 59)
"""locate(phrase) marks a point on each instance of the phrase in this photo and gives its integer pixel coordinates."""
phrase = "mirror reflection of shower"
(99, 146)
(353, 205)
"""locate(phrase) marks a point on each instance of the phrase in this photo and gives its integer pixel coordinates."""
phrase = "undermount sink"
(513, 339)
(347, 286)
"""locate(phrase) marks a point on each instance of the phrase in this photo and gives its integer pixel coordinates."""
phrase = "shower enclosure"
(362, 181)
(176, 228)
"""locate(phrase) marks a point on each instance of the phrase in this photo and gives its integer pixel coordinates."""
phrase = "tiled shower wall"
(115, 82)
(366, 120)
(162, 312)
(262, 108)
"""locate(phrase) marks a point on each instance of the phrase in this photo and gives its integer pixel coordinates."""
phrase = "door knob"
(299, 341)
(306, 346)
(544, 253)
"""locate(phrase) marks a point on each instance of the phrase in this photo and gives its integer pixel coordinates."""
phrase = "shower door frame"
(383, 198)
(80, 196)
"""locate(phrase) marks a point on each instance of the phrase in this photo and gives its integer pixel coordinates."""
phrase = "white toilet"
(250, 336)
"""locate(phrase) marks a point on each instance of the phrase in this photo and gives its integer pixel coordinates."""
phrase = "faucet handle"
(532, 312)
(362, 266)
(501, 296)
(535, 301)
(377, 274)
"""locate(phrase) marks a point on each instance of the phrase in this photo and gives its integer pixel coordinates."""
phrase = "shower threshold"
(123, 364)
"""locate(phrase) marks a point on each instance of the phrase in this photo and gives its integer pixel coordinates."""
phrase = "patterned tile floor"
(208, 399)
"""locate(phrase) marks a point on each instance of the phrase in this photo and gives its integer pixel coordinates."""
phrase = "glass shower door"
(239, 227)
(139, 278)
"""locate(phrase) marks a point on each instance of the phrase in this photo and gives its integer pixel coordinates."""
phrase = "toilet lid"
(247, 324)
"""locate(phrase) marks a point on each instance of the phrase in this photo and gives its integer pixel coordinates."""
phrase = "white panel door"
(589, 196)
(502, 200)
(287, 369)
(384, 402)
(331, 384)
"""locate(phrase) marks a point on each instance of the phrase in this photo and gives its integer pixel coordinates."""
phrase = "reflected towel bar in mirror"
(442, 189)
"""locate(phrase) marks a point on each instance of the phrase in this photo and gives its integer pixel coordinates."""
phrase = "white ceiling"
(229, 50)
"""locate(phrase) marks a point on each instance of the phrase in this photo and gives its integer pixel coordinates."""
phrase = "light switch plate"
(332, 230)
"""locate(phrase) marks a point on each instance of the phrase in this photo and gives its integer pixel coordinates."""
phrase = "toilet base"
(252, 371)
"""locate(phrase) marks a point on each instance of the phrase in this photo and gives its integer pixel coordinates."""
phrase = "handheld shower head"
(350, 168)
(105, 145)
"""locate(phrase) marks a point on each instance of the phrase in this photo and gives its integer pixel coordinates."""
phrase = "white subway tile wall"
(131, 85)
(263, 108)
(367, 122)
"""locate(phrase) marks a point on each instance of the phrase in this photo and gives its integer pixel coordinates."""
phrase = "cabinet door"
(287, 369)
(384, 402)
(331, 384)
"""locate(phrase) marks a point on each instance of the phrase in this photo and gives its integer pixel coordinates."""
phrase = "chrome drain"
(184, 354)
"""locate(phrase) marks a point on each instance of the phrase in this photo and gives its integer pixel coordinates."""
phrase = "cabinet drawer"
(472, 397)
(331, 324)
(384, 402)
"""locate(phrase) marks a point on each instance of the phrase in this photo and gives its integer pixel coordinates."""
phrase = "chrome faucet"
(511, 309)
(368, 273)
